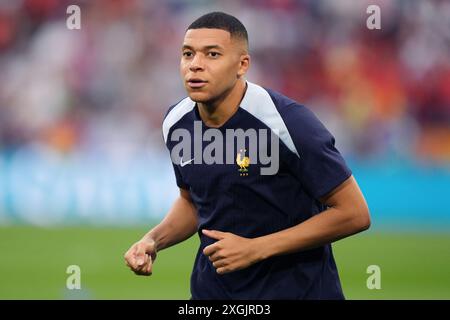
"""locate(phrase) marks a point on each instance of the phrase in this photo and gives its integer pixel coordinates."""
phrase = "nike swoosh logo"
(182, 164)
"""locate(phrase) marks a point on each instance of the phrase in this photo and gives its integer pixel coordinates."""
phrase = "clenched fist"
(140, 257)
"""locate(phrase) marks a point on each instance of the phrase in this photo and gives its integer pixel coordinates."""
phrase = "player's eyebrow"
(205, 48)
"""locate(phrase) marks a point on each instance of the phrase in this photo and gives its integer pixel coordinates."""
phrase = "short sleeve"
(167, 127)
(321, 167)
(179, 178)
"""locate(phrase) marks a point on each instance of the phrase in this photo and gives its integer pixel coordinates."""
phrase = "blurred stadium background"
(84, 172)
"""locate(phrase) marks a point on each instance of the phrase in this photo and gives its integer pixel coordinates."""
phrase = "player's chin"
(199, 96)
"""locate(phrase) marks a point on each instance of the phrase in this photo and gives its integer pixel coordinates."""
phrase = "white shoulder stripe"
(258, 102)
(177, 112)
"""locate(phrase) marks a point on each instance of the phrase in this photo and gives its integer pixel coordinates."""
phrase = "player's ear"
(244, 64)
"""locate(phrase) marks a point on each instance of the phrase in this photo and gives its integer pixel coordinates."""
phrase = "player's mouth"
(196, 83)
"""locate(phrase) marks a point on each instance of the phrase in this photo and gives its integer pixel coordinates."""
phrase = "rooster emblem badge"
(243, 162)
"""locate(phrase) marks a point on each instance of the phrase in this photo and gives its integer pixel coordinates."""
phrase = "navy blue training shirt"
(236, 197)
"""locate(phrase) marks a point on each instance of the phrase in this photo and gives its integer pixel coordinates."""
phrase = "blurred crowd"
(102, 91)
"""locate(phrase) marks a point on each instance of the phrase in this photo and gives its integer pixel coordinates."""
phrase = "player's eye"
(213, 54)
(187, 54)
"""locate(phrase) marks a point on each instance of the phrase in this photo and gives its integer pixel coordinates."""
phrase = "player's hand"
(231, 252)
(140, 257)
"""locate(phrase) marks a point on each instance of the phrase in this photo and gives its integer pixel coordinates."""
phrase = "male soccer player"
(263, 234)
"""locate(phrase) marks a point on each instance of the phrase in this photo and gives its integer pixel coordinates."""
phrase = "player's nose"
(197, 63)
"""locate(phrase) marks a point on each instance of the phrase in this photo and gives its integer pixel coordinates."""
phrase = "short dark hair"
(223, 21)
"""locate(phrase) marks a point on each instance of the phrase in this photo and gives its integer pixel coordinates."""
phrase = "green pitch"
(33, 265)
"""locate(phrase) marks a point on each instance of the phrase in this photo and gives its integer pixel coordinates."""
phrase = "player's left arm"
(347, 214)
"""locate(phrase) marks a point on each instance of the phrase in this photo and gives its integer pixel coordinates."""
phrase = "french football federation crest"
(243, 162)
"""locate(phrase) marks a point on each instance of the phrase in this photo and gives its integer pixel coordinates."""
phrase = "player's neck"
(216, 113)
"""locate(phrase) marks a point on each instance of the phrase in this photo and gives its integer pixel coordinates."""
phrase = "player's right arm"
(179, 224)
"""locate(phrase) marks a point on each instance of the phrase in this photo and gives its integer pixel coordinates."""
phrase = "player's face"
(211, 63)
